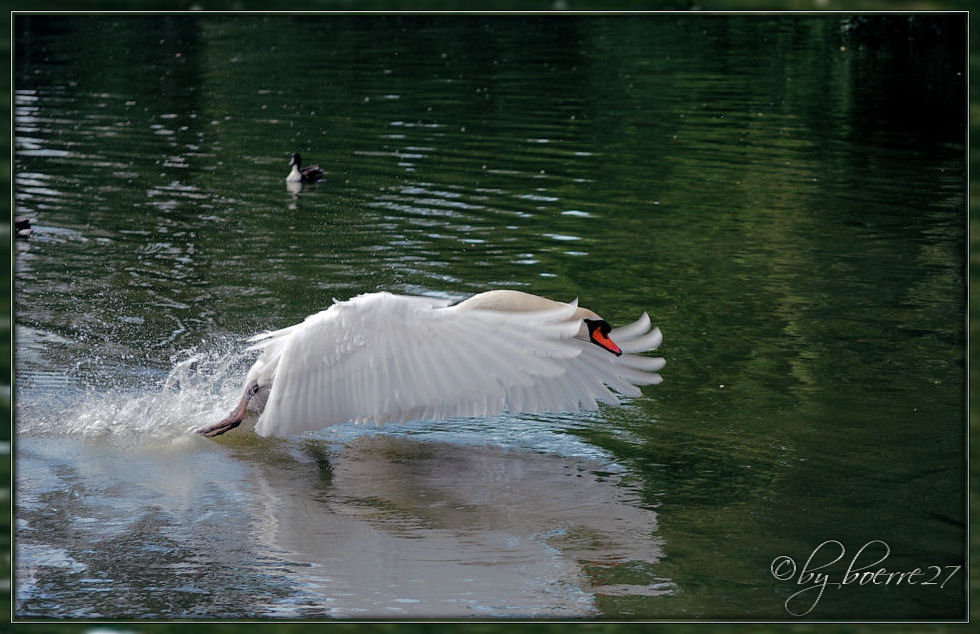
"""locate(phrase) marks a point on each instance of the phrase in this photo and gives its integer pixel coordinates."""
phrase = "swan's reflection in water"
(393, 527)
(140, 526)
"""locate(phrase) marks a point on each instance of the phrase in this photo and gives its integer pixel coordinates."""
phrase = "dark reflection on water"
(784, 194)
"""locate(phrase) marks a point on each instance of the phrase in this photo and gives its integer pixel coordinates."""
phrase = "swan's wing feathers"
(642, 343)
(630, 331)
(648, 364)
(464, 363)
(386, 358)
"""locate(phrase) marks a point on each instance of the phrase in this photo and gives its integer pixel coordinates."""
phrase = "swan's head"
(294, 159)
(599, 335)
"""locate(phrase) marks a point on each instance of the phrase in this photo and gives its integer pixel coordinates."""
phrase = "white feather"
(383, 358)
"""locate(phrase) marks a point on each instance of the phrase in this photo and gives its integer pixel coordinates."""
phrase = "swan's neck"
(294, 175)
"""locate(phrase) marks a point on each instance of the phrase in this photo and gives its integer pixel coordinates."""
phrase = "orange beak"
(606, 343)
(599, 335)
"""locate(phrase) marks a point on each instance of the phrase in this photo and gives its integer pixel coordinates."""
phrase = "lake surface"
(785, 195)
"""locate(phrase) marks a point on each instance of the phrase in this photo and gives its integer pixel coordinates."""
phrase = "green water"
(784, 195)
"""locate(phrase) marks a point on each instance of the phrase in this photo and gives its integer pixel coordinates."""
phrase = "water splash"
(140, 406)
(201, 385)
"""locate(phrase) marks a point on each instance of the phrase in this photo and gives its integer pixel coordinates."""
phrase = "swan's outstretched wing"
(387, 358)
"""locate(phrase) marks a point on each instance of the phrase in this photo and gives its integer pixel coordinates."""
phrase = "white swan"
(384, 358)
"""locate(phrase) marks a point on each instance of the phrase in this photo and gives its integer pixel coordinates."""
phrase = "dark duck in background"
(299, 174)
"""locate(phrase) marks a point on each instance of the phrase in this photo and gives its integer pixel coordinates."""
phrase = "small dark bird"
(22, 225)
(310, 174)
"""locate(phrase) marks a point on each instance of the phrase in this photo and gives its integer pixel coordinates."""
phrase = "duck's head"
(294, 159)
